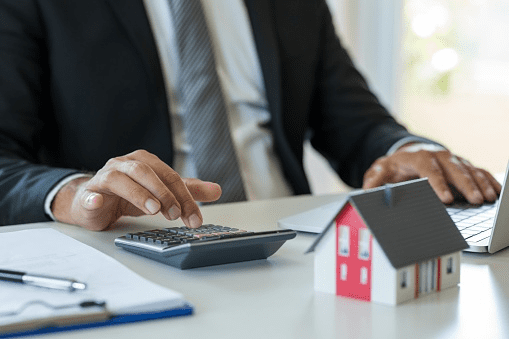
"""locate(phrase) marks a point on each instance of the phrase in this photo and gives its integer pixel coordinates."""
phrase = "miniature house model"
(389, 245)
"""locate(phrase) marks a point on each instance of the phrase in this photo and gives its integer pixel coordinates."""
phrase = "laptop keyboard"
(474, 222)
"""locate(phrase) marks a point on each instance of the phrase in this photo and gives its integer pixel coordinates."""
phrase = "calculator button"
(210, 238)
(170, 243)
(136, 236)
(204, 235)
(220, 233)
(171, 230)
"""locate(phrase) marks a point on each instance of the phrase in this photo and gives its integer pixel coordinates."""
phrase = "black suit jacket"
(81, 82)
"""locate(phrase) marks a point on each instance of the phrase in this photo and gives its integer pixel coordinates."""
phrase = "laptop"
(485, 228)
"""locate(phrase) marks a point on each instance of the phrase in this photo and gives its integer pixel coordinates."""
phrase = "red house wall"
(352, 287)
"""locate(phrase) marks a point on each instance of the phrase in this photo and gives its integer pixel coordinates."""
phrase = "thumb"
(92, 200)
(204, 191)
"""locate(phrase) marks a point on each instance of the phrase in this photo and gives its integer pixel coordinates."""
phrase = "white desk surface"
(274, 298)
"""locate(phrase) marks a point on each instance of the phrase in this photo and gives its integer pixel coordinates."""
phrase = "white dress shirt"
(241, 80)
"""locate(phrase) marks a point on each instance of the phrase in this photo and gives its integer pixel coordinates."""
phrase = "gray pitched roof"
(409, 222)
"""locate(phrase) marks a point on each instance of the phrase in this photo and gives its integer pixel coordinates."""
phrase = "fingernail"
(91, 199)
(194, 221)
(152, 206)
(174, 212)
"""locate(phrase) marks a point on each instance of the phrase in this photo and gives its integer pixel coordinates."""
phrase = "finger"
(146, 177)
(376, 175)
(117, 183)
(494, 182)
(483, 183)
(89, 202)
(431, 169)
(92, 200)
(204, 191)
(460, 177)
(190, 212)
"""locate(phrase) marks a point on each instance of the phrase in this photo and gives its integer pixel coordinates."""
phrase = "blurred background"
(440, 66)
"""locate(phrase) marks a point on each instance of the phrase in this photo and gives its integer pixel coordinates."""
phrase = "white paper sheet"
(49, 252)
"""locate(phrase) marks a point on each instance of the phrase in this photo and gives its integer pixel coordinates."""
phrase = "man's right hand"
(132, 185)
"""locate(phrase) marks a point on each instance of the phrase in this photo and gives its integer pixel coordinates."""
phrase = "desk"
(274, 298)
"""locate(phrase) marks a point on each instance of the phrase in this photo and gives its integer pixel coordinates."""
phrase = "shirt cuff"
(51, 195)
(402, 142)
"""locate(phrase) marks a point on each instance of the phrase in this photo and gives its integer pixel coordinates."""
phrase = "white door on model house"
(427, 274)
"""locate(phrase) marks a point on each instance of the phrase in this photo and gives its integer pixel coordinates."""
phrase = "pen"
(42, 281)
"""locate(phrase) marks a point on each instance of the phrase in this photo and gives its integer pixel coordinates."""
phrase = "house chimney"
(388, 195)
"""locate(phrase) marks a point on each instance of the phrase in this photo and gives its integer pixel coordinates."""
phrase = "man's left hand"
(443, 169)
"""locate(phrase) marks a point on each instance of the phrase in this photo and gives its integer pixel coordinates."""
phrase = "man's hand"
(443, 169)
(132, 185)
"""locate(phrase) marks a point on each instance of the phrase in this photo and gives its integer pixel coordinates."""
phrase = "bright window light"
(439, 15)
(445, 59)
(422, 26)
(428, 19)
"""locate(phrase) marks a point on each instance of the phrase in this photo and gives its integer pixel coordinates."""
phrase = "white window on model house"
(364, 235)
(403, 279)
(450, 267)
(364, 275)
(344, 241)
(343, 272)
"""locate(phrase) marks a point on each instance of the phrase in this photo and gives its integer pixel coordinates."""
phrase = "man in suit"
(89, 111)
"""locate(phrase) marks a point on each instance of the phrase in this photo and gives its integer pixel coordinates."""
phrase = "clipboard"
(96, 317)
(115, 295)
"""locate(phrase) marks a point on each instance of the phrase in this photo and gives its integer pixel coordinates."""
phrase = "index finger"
(190, 212)
(437, 180)
(460, 177)
(494, 182)
(375, 176)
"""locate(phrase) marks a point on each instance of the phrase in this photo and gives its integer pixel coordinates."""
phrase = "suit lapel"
(261, 15)
(132, 16)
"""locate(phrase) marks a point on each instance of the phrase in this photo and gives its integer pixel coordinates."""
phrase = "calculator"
(185, 247)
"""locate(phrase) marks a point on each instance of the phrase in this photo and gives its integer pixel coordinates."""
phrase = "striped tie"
(204, 109)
